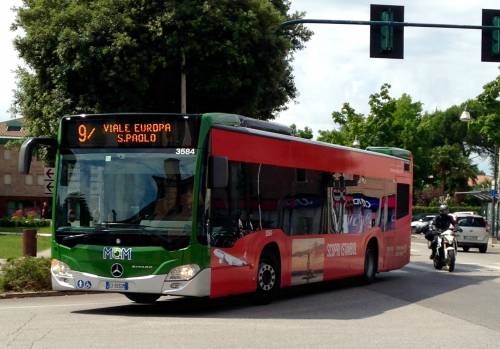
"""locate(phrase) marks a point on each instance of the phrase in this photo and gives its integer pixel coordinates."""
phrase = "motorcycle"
(446, 250)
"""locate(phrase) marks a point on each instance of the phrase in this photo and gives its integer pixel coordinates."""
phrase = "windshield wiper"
(82, 235)
(118, 225)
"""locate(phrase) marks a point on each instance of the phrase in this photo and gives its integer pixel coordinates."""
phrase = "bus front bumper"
(198, 286)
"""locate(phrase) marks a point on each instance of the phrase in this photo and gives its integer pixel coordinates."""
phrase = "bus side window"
(232, 207)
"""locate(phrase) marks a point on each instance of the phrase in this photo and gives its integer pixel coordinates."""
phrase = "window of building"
(28, 179)
(7, 179)
(6, 155)
(15, 128)
(40, 180)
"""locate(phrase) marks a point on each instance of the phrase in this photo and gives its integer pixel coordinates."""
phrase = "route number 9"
(83, 134)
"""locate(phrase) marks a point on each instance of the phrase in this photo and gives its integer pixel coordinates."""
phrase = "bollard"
(29, 242)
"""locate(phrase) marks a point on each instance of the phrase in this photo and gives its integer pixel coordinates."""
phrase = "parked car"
(474, 232)
(421, 225)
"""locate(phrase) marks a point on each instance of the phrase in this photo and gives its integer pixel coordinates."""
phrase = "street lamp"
(465, 117)
(355, 143)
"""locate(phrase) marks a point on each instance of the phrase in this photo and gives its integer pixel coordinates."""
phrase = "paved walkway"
(44, 253)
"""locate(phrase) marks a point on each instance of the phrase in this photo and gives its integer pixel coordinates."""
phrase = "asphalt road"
(416, 307)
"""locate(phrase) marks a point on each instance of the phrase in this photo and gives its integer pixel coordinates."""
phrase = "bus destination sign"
(130, 131)
(125, 132)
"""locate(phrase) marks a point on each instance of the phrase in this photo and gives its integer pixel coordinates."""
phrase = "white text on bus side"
(341, 250)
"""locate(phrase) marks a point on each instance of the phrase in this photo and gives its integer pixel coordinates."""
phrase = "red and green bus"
(218, 204)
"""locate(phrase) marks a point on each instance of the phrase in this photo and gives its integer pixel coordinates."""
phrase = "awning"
(483, 195)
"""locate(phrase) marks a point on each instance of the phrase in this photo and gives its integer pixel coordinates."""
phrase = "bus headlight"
(183, 272)
(60, 269)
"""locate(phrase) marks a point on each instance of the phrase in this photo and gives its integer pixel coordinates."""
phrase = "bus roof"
(275, 130)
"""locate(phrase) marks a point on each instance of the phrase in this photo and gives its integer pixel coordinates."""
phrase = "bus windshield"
(125, 191)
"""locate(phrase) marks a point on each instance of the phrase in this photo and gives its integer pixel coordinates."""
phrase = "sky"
(441, 67)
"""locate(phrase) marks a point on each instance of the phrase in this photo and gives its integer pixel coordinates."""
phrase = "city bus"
(150, 205)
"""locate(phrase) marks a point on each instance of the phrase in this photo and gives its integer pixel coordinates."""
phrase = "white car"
(421, 225)
(474, 232)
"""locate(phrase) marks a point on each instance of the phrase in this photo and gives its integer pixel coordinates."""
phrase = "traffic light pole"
(494, 208)
(383, 23)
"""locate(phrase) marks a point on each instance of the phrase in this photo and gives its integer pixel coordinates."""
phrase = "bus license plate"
(116, 285)
(470, 237)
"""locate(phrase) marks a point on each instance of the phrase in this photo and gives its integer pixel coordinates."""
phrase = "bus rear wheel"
(145, 298)
(370, 271)
(268, 280)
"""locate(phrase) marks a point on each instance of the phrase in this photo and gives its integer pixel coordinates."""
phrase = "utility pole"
(183, 83)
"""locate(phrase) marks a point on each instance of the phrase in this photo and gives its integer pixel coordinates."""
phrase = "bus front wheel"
(144, 298)
(268, 280)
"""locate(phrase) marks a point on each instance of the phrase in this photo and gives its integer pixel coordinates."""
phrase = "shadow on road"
(346, 299)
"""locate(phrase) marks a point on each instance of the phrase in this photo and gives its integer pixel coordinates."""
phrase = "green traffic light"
(386, 31)
(495, 47)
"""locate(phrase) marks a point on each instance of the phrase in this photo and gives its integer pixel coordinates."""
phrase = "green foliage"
(435, 209)
(452, 168)
(21, 221)
(306, 133)
(126, 55)
(352, 125)
(437, 140)
(489, 113)
(27, 274)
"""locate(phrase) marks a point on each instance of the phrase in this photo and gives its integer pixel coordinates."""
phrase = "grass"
(11, 246)
(44, 230)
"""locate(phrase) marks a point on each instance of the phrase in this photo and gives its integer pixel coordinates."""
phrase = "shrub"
(27, 222)
(27, 274)
(435, 209)
(1, 284)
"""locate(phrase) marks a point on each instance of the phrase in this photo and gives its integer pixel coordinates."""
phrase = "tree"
(352, 126)
(483, 133)
(452, 168)
(126, 55)
(391, 122)
(306, 133)
(398, 122)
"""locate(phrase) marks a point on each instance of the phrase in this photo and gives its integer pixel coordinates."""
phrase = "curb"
(10, 295)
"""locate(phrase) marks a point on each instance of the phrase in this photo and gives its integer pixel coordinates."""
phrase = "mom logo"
(120, 253)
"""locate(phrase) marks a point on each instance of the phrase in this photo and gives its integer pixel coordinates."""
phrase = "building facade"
(24, 194)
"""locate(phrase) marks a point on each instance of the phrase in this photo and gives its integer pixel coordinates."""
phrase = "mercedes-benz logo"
(117, 270)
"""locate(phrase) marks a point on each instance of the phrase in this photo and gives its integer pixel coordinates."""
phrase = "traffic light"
(490, 39)
(386, 41)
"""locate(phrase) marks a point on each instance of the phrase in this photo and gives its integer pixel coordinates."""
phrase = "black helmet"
(443, 209)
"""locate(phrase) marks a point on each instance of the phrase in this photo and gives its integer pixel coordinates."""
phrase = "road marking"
(419, 267)
(60, 305)
(458, 266)
(480, 266)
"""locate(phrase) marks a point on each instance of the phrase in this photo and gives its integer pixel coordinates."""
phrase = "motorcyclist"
(440, 223)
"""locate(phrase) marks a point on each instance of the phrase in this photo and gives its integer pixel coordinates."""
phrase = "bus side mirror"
(27, 148)
(219, 172)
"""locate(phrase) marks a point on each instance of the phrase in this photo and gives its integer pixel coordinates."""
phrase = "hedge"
(26, 274)
(435, 209)
(24, 222)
